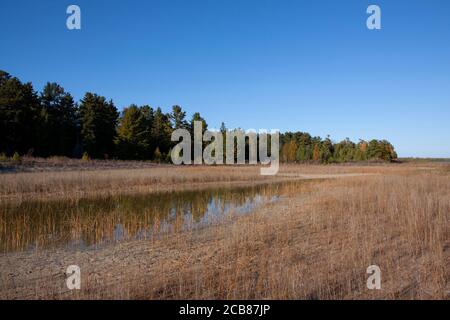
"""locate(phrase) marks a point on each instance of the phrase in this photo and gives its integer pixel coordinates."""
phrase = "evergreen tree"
(304, 151)
(58, 129)
(344, 151)
(51, 124)
(149, 117)
(380, 150)
(161, 133)
(98, 125)
(19, 115)
(132, 134)
(178, 118)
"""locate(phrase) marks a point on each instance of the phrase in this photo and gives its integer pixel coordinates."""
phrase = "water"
(89, 223)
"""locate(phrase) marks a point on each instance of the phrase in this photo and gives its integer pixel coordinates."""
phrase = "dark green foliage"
(19, 115)
(98, 119)
(53, 124)
(381, 150)
(325, 151)
(58, 126)
(345, 151)
(178, 118)
(161, 132)
(134, 138)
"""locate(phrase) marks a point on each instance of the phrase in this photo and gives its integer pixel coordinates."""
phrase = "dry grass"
(79, 184)
(314, 244)
(109, 178)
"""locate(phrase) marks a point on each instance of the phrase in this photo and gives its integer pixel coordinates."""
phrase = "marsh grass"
(319, 247)
(86, 222)
(315, 243)
(110, 178)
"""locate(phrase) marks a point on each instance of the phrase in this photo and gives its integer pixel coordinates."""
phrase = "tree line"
(302, 147)
(51, 123)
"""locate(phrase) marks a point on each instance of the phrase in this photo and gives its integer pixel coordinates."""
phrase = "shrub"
(157, 155)
(85, 157)
(16, 157)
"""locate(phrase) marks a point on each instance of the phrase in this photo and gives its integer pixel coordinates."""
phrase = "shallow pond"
(88, 223)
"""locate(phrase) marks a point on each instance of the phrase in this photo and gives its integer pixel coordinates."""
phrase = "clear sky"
(290, 65)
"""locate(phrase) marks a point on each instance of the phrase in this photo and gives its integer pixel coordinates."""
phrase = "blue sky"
(291, 65)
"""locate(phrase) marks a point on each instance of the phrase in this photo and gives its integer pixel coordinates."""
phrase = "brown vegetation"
(63, 178)
(315, 243)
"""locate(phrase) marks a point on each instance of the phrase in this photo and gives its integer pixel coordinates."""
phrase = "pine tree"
(178, 118)
(132, 134)
(58, 129)
(98, 125)
(161, 132)
(19, 115)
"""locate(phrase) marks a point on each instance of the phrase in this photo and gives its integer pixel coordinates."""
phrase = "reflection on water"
(90, 222)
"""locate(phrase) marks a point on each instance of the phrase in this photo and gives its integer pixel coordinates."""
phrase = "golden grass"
(77, 184)
(318, 246)
(315, 243)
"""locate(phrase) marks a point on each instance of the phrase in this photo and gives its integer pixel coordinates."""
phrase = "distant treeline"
(51, 123)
